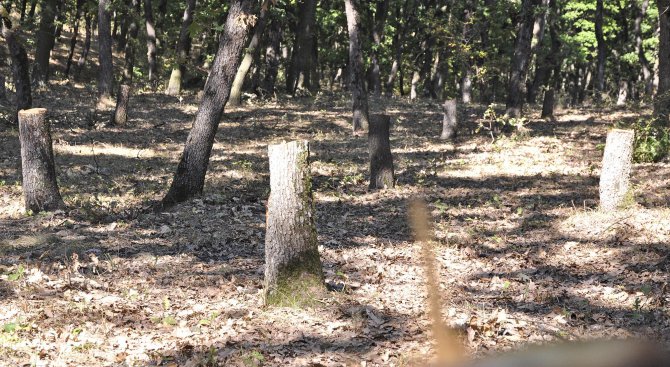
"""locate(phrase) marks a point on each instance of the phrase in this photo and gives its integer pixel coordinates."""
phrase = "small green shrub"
(652, 141)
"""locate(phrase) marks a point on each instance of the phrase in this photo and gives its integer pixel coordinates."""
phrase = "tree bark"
(466, 79)
(302, 58)
(183, 50)
(73, 38)
(662, 103)
(639, 48)
(151, 40)
(293, 272)
(449, 120)
(106, 76)
(189, 179)
(623, 93)
(379, 21)
(272, 57)
(251, 53)
(359, 96)
(87, 43)
(45, 41)
(20, 72)
(519, 65)
(131, 42)
(120, 115)
(552, 63)
(381, 160)
(602, 49)
(616, 169)
(40, 189)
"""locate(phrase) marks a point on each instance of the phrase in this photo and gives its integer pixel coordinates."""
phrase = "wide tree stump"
(293, 273)
(381, 160)
(449, 119)
(40, 190)
(120, 115)
(615, 174)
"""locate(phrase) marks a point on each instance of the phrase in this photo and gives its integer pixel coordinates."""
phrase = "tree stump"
(615, 174)
(548, 104)
(449, 120)
(381, 160)
(120, 115)
(40, 190)
(293, 274)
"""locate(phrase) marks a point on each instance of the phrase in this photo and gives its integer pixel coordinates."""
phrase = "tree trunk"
(552, 63)
(106, 76)
(120, 115)
(87, 44)
(519, 65)
(73, 39)
(548, 104)
(251, 53)
(616, 168)
(377, 38)
(31, 12)
(359, 96)
(623, 93)
(131, 43)
(381, 160)
(45, 41)
(302, 58)
(183, 50)
(272, 54)
(466, 80)
(416, 78)
(293, 272)
(662, 102)
(189, 179)
(600, 66)
(40, 189)
(151, 40)
(20, 72)
(639, 48)
(449, 120)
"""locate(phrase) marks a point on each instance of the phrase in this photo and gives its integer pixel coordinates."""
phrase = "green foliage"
(253, 359)
(652, 141)
(16, 274)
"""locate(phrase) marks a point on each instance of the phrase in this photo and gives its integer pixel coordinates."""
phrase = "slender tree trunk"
(131, 43)
(662, 103)
(31, 12)
(3, 66)
(151, 40)
(120, 115)
(251, 53)
(553, 63)
(519, 66)
(189, 179)
(293, 271)
(377, 38)
(602, 50)
(639, 49)
(359, 95)
(40, 189)
(122, 37)
(449, 120)
(183, 50)
(24, 5)
(45, 41)
(73, 39)
(106, 75)
(381, 159)
(20, 72)
(466, 79)
(302, 60)
(272, 54)
(87, 43)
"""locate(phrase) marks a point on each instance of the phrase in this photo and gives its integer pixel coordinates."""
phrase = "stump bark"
(40, 190)
(120, 115)
(449, 120)
(381, 160)
(293, 273)
(548, 104)
(615, 174)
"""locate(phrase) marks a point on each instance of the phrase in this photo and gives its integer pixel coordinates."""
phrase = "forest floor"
(524, 255)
